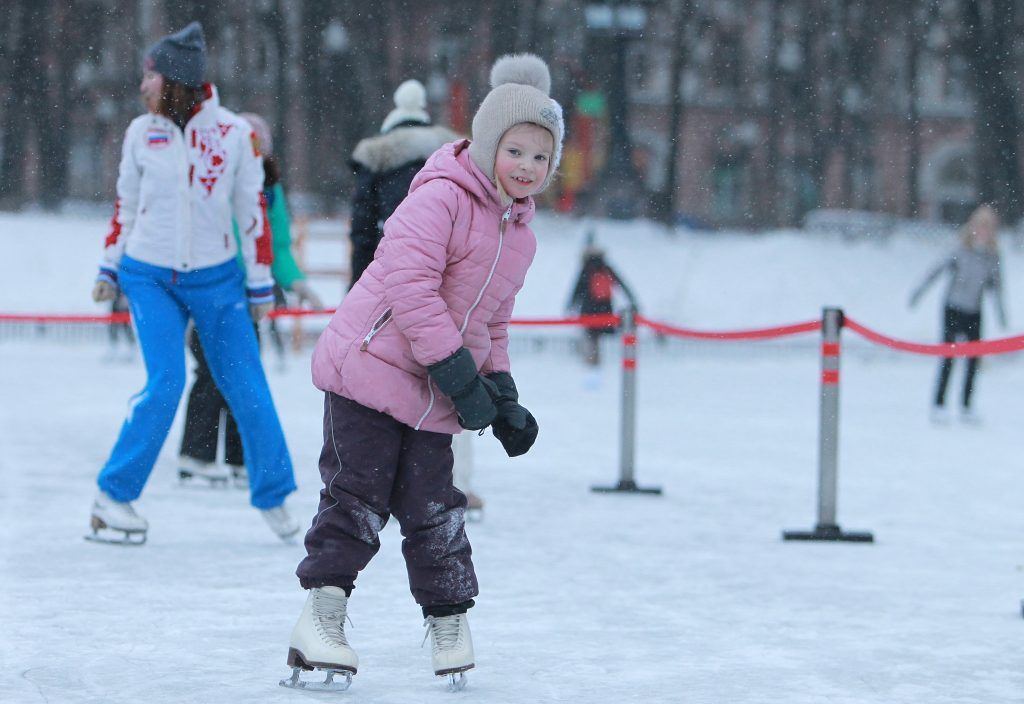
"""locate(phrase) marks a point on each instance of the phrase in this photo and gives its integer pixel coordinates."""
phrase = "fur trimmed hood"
(400, 146)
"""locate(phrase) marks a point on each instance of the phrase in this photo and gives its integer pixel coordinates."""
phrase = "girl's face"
(523, 159)
(151, 88)
(984, 226)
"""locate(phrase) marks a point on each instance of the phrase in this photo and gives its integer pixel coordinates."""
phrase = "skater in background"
(973, 268)
(207, 411)
(592, 295)
(417, 352)
(172, 270)
(384, 166)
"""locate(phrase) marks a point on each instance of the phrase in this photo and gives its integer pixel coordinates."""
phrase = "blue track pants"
(162, 301)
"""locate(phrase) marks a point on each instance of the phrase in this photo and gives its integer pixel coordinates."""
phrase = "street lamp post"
(617, 188)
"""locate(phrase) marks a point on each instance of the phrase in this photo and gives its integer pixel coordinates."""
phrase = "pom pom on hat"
(526, 69)
(520, 86)
(410, 105)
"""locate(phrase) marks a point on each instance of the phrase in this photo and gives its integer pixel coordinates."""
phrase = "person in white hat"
(384, 166)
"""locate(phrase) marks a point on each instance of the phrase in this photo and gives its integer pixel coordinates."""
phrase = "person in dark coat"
(592, 295)
(206, 411)
(385, 165)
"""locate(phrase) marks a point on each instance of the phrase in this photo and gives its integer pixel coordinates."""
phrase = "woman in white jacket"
(188, 168)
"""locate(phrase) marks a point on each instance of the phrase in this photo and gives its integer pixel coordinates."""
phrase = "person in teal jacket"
(206, 408)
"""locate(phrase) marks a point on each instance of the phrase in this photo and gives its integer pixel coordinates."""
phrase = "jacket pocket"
(377, 326)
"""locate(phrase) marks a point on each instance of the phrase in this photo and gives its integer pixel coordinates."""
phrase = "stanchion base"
(626, 487)
(828, 532)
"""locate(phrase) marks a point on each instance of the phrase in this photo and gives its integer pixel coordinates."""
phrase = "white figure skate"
(215, 475)
(474, 507)
(318, 642)
(116, 517)
(281, 522)
(452, 648)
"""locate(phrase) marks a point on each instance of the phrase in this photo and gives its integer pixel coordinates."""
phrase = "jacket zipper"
(183, 193)
(490, 274)
(479, 297)
(430, 406)
(378, 325)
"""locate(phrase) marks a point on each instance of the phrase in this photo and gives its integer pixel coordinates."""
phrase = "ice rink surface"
(690, 597)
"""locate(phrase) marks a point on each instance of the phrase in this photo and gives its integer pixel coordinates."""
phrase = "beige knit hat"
(520, 84)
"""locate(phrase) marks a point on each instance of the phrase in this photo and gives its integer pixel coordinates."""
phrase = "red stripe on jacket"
(115, 226)
(264, 244)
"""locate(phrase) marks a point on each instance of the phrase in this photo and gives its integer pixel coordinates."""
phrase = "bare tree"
(24, 101)
(770, 182)
(917, 16)
(986, 27)
(682, 14)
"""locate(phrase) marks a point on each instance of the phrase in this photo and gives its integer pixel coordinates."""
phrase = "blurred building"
(724, 112)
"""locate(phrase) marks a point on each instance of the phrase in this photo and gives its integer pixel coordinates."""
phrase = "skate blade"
(328, 685)
(186, 478)
(457, 681)
(128, 537)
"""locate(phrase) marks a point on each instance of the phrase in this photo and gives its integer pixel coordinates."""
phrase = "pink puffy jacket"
(444, 276)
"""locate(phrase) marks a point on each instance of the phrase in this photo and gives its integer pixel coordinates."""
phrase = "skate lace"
(446, 630)
(329, 614)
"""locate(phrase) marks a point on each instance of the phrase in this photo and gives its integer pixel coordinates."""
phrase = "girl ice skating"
(418, 351)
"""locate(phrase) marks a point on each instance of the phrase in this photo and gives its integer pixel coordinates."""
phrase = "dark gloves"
(471, 393)
(515, 427)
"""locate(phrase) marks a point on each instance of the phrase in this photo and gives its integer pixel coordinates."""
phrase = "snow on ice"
(688, 597)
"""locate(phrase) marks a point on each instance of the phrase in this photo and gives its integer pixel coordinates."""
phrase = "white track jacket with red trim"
(177, 193)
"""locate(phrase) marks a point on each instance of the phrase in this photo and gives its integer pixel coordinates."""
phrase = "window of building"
(730, 180)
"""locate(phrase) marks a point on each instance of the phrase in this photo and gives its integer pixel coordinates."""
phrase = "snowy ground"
(688, 597)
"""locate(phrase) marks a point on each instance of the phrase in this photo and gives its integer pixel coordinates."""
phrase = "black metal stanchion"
(828, 440)
(627, 462)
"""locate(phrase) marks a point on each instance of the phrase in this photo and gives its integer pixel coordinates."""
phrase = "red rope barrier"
(298, 312)
(757, 334)
(587, 321)
(952, 349)
(592, 321)
(38, 318)
(955, 349)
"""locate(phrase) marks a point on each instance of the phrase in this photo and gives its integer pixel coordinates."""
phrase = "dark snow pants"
(206, 407)
(956, 324)
(373, 467)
